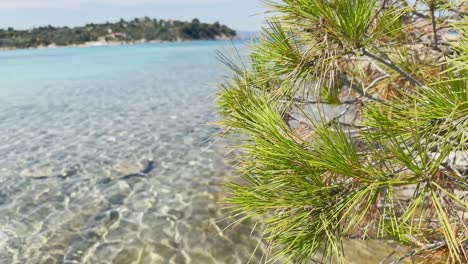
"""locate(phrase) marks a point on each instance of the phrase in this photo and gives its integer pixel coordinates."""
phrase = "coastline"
(104, 43)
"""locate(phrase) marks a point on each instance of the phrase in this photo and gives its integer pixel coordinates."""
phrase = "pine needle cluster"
(351, 122)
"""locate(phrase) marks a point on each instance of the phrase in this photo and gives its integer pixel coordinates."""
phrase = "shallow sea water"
(77, 128)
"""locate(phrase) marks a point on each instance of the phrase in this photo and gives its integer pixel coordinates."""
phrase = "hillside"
(137, 30)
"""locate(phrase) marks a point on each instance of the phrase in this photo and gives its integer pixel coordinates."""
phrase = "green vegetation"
(145, 29)
(351, 122)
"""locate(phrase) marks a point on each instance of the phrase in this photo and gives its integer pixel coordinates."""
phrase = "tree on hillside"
(192, 29)
(351, 122)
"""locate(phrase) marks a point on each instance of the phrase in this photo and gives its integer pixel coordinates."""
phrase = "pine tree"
(350, 118)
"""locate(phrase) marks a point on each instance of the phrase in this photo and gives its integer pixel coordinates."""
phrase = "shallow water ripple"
(66, 151)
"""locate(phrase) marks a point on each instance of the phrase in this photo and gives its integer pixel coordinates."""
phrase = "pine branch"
(415, 252)
(305, 102)
(434, 25)
(394, 67)
(357, 89)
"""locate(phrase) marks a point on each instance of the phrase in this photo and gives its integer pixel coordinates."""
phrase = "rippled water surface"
(104, 157)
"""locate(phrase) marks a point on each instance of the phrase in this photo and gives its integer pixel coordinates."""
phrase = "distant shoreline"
(91, 44)
(136, 31)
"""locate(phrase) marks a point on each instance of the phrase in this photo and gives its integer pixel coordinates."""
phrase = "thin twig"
(374, 82)
(340, 115)
(358, 90)
(434, 25)
(417, 251)
(381, 9)
(389, 256)
(303, 101)
(394, 67)
(298, 120)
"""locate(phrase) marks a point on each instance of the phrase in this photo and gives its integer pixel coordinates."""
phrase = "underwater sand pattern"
(74, 180)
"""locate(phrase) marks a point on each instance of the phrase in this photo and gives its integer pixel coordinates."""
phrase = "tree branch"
(340, 115)
(418, 251)
(434, 24)
(304, 101)
(374, 82)
(394, 67)
(358, 90)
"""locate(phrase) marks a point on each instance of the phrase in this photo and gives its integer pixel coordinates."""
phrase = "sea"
(108, 155)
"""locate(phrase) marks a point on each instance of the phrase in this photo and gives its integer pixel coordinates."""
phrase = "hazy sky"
(238, 14)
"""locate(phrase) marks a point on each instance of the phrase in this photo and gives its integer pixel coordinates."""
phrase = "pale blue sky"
(238, 14)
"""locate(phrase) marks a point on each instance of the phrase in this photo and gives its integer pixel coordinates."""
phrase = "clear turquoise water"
(98, 116)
